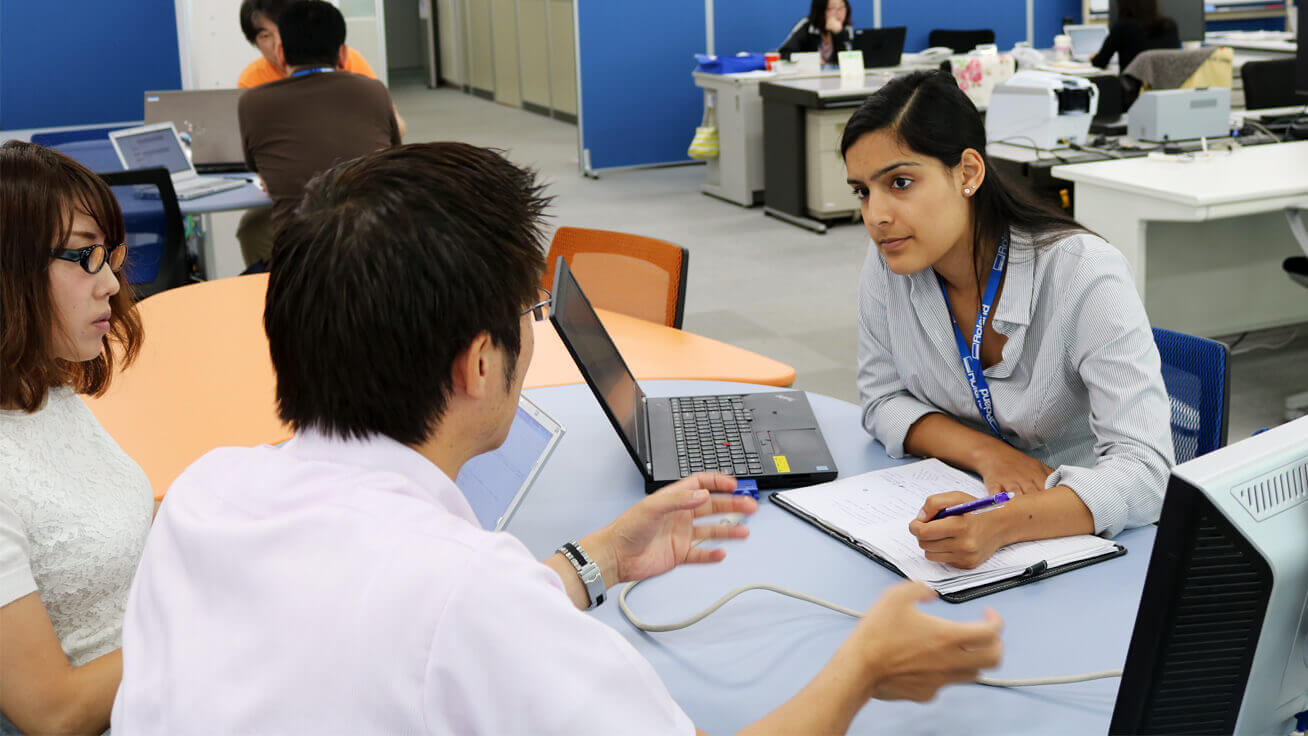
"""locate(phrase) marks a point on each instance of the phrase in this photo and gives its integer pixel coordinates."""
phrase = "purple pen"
(980, 503)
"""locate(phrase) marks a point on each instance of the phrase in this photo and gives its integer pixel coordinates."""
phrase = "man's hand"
(913, 655)
(1013, 471)
(966, 540)
(659, 533)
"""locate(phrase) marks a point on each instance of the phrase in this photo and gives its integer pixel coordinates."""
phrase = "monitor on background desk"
(1220, 644)
(1188, 14)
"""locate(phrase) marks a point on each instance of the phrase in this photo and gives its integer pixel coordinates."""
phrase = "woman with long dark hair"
(997, 334)
(827, 29)
(74, 509)
(1139, 27)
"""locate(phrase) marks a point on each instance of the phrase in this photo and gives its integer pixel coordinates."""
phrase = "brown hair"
(38, 187)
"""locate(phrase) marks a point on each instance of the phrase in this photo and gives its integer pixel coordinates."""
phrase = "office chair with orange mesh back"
(631, 274)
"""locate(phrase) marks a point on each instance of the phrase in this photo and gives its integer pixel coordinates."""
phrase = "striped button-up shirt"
(1079, 385)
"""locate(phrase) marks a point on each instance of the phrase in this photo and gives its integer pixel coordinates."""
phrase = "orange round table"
(204, 379)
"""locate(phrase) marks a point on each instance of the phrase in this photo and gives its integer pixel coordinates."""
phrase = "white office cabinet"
(481, 74)
(504, 45)
(534, 54)
(736, 175)
(829, 195)
(563, 59)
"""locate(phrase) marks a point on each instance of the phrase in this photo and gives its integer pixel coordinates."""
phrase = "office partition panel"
(79, 62)
(638, 104)
(761, 25)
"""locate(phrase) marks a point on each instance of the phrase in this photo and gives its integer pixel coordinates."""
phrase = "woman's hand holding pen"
(963, 540)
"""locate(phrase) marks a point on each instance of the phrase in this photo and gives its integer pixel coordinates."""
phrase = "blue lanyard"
(976, 378)
(315, 70)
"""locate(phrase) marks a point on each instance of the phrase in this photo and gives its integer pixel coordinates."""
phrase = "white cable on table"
(991, 682)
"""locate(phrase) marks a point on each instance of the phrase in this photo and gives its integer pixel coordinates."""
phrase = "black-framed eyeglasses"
(540, 308)
(93, 257)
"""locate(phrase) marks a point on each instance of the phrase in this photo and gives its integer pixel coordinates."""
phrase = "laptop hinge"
(646, 452)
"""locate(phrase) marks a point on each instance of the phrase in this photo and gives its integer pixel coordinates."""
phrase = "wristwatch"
(587, 570)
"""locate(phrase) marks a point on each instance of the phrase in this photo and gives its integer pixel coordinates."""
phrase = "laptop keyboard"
(714, 433)
(209, 186)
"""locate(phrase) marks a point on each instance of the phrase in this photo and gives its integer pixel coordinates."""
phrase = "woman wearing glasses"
(74, 509)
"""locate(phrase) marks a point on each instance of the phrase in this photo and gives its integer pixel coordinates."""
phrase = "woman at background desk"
(1139, 27)
(827, 30)
(998, 335)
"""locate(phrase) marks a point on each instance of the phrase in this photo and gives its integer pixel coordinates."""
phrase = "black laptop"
(771, 437)
(880, 46)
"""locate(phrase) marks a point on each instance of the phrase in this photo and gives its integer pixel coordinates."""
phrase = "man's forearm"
(826, 705)
(600, 552)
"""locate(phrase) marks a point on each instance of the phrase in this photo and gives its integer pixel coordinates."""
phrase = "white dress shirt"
(345, 587)
(1079, 386)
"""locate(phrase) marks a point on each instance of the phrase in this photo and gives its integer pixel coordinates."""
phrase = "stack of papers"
(872, 511)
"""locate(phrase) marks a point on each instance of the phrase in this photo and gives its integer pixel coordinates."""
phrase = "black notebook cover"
(1032, 574)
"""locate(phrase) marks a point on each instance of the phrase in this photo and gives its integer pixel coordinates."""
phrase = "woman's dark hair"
(38, 190)
(1145, 12)
(389, 268)
(931, 116)
(817, 14)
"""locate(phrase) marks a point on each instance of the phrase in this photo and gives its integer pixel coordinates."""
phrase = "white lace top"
(74, 513)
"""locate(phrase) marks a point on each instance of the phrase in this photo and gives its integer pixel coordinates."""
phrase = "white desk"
(736, 175)
(760, 649)
(1220, 278)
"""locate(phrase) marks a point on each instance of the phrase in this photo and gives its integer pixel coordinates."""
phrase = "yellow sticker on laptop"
(783, 465)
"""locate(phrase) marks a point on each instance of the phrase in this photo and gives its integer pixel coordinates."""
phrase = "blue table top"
(760, 649)
(98, 155)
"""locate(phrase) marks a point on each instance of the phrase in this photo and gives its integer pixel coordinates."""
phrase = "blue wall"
(1006, 17)
(1049, 16)
(760, 25)
(76, 62)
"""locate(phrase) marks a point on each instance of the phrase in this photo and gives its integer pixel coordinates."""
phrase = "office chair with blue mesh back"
(1198, 389)
(157, 258)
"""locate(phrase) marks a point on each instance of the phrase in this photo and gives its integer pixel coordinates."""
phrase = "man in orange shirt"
(259, 24)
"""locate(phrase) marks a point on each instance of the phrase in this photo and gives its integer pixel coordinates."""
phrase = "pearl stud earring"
(967, 191)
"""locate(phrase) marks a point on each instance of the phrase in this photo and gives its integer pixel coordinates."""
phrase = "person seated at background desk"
(74, 509)
(1139, 27)
(320, 115)
(1035, 369)
(827, 30)
(341, 583)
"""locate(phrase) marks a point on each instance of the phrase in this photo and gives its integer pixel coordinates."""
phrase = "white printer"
(1180, 114)
(1041, 109)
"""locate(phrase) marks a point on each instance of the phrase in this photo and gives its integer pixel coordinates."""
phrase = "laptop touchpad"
(793, 443)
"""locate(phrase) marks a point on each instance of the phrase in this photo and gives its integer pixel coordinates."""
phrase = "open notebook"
(871, 512)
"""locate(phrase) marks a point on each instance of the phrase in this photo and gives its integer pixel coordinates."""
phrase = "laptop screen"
(153, 148)
(600, 362)
(1086, 40)
(495, 482)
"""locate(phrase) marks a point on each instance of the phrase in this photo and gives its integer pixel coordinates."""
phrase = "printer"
(1180, 114)
(1041, 109)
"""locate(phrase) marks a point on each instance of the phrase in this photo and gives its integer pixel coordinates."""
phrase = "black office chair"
(960, 41)
(157, 259)
(1269, 84)
(1296, 267)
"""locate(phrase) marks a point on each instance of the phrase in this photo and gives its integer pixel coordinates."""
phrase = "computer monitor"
(1188, 14)
(1219, 645)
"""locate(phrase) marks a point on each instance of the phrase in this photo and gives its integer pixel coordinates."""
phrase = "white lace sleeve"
(16, 578)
